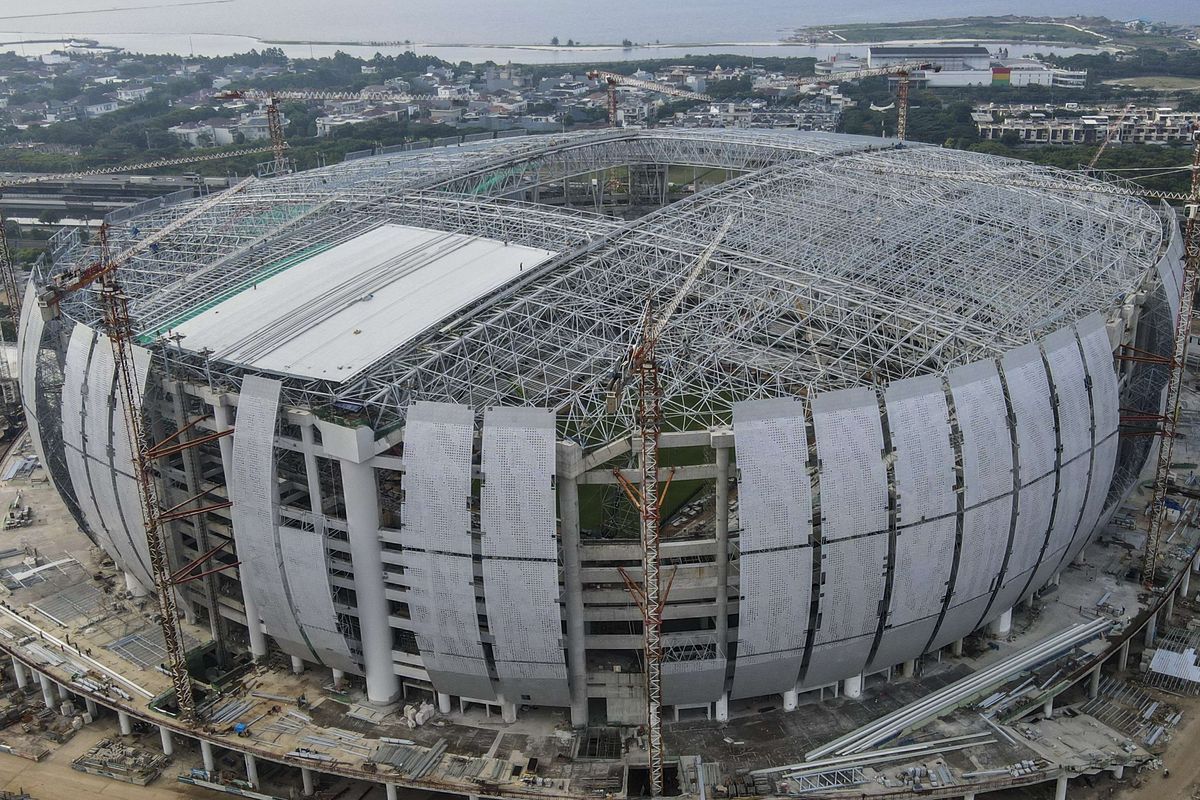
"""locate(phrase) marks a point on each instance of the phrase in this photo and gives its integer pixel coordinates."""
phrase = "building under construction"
(891, 409)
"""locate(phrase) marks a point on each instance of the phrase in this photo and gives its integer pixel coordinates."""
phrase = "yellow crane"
(902, 71)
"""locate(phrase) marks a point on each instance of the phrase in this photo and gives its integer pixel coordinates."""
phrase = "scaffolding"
(845, 265)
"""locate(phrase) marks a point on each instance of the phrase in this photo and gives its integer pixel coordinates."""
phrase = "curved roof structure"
(849, 262)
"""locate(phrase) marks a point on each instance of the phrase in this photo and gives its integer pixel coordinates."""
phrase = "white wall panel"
(1070, 388)
(776, 569)
(306, 569)
(1098, 358)
(1104, 460)
(919, 424)
(520, 553)
(1072, 491)
(854, 495)
(75, 367)
(127, 493)
(1029, 393)
(438, 441)
(984, 543)
(29, 342)
(924, 558)
(851, 595)
(254, 491)
(987, 440)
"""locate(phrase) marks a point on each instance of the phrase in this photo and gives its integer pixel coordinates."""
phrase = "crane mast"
(643, 364)
(902, 71)
(614, 79)
(1175, 366)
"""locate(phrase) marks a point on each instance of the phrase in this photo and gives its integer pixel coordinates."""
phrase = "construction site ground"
(49, 559)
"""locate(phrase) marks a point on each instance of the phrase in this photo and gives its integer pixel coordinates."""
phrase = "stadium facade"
(892, 405)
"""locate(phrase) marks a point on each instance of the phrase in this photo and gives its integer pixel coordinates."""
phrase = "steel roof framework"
(844, 267)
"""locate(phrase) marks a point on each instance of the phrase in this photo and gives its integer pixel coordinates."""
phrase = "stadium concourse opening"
(892, 421)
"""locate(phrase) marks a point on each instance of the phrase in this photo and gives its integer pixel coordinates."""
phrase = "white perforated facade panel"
(75, 367)
(1104, 460)
(1072, 490)
(1034, 507)
(1029, 393)
(776, 569)
(852, 587)
(984, 543)
(128, 497)
(255, 512)
(987, 440)
(520, 553)
(29, 342)
(924, 559)
(1070, 387)
(437, 489)
(919, 424)
(306, 569)
(1098, 358)
(854, 495)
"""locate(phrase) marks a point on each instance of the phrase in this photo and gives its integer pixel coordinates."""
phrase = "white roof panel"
(337, 311)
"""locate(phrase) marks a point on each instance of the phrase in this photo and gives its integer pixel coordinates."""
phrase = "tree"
(570, 42)
(627, 44)
(554, 41)
(49, 217)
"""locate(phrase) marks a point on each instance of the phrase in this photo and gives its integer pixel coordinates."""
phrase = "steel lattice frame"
(845, 266)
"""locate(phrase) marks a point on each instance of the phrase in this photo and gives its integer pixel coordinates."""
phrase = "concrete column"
(258, 640)
(570, 456)
(1185, 585)
(206, 753)
(1002, 625)
(791, 699)
(297, 665)
(1151, 629)
(339, 678)
(956, 648)
(1123, 656)
(443, 702)
(1196, 562)
(306, 777)
(1094, 683)
(168, 745)
(47, 690)
(1048, 707)
(92, 710)
(134, 585)
(1169, 608)
(1060, 788)
(508, 711)
(1118, 771)
(718, 438)
(390, 788)
(19, 674)
(853, 686)
(722, 708)
(362, 523)
(251, 770)
(969, 796)
(64, 694)
(909, 668)
(126, 724)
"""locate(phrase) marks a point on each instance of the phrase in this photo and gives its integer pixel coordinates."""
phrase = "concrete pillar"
(508, 711)
(168, 745)
(339, 678)
(443, 702)
(134, 585)
(1048, 707)
(722, 708)
(1151, 629)
(392, 794)
(969, 796)
(1185, 585)
(1002, 625)
(1060, 788)
(791, 699)
(19, 673)
(1169, 608)
(956, 648)
(722, 437)
(125, 723)
(251, 770)
(206, 753)
(909, 668)
(306, 777)
(258, 640)
(570, 457)
(90, 705)
(1094, 683)
(853, 686)
(1123, 656)
(362, 523)
(297, 665)
(1118, 771)
(1196, 562)
(47, 690)
(64, 694)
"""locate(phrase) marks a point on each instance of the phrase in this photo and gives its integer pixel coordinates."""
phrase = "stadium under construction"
(890, 404)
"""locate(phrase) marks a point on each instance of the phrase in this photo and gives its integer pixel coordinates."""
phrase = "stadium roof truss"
(847, 264)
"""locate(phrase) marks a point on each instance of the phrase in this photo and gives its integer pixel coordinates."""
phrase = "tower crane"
(1112, 131)
(271, 99)
(614, 79)
(120, 329)
(901, 71)
(642, 363)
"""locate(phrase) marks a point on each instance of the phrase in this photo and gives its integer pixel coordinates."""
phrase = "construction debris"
(121, 762)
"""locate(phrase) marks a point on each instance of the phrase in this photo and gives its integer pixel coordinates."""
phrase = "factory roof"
(850, 261)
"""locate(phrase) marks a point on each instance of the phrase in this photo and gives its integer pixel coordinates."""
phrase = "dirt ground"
(1181, 760)
(53, 778)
